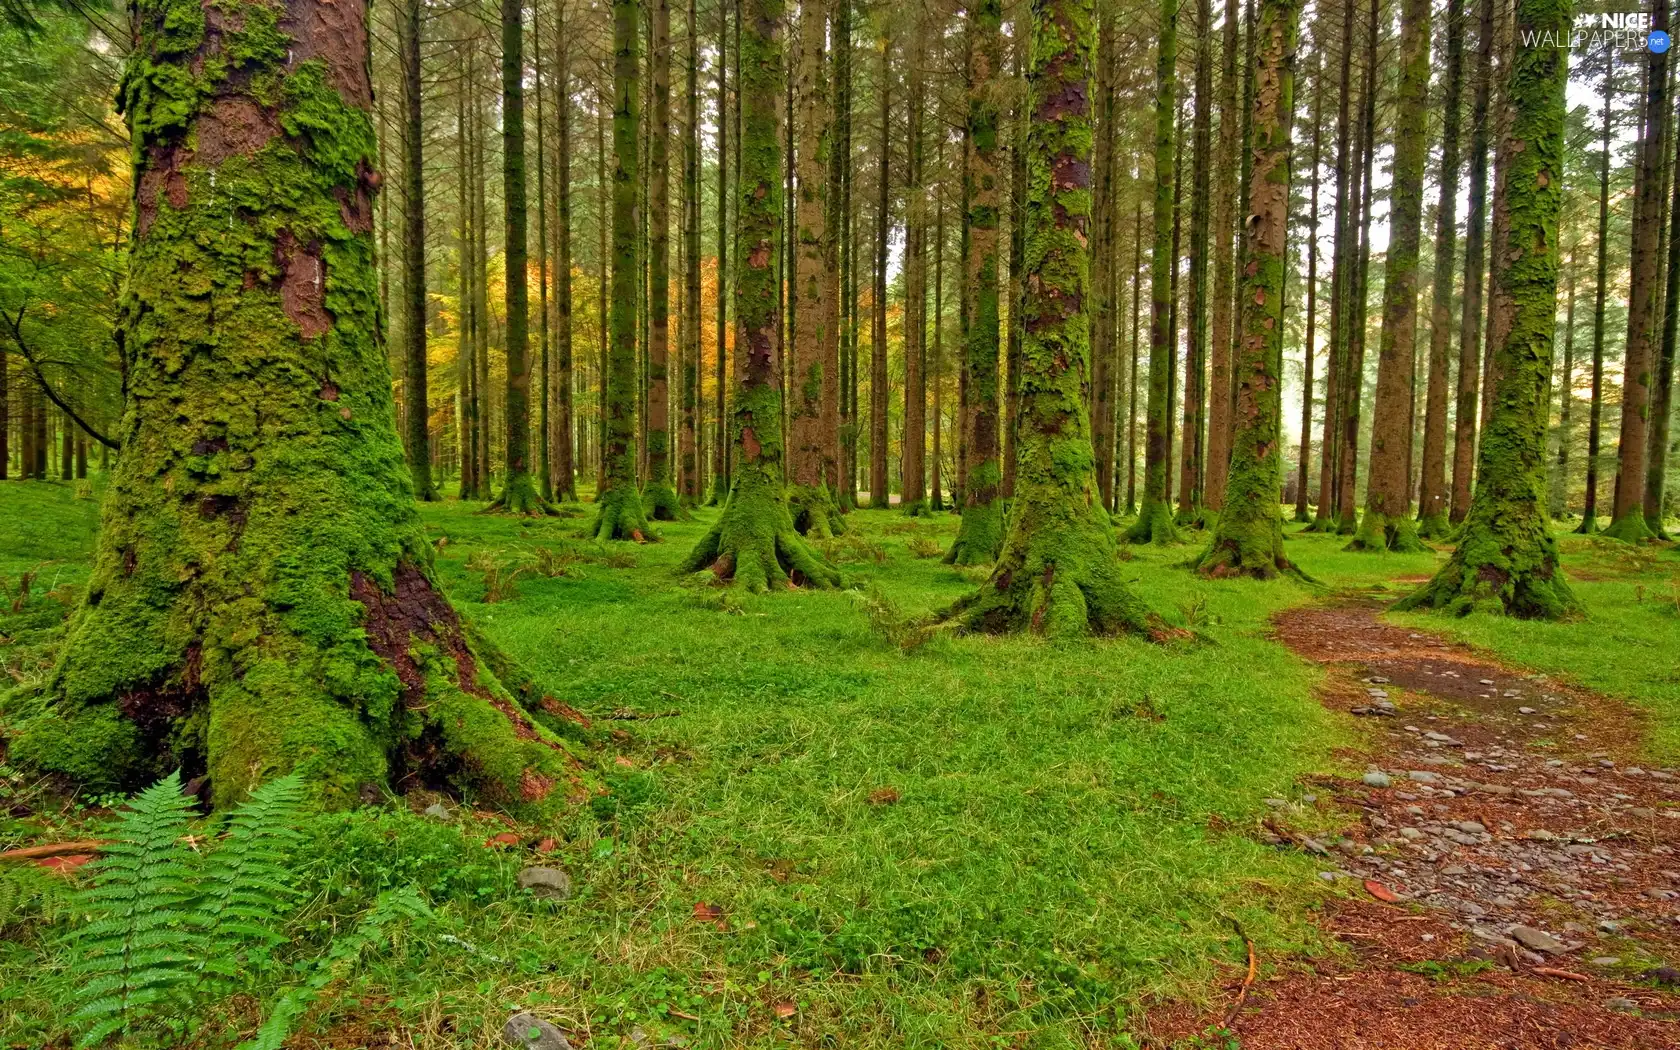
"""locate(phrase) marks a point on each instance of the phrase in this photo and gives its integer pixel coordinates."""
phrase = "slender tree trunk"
(1248, 536)
(1589, 513)
(1507, 560)
(659, 497)
(545, 379)
(1302, 514)
(1432, 495)
(219, 669)
(481, 296)
(1470, 323)
(1154, 524)
(1559, 489)
(465, 373)
(621, 515)
(1662, 389)
(1225, 194)
(688, 441)
(913, 463)
(981, 532)
(418, 445)
(1644, 316)
(754, 543)
(842, 249)
(815, 386)
(1102, 254)
(1057, 573)
(1336, 365)
(1347, 518)
(1174, 299)
(1195, 360)
(560, 438)
(1388, 522)
(1132, 369)
(878, 322)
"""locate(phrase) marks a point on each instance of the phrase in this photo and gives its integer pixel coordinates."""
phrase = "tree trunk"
(1644, 316)
(1017, 250)
(1432, 494)
(1662, 389)
(1388, 522)
(659, 497)
(1195, 360)
(843, 248)
(1589, 513)
(1302, 514)
(754, 543)
(621, 515)
(1507, 560)
(292, 622)
(912, 497)
(815, 385)
(1155, 524)
(1558, 491)
(981, 532)
(1358, 288)
(561, 459)
(1132, 369)
(1470, 318)
(465, 358)
(878, 321)
(1057, 573)
(1225, 194)
(688, 442)
(481, 298)
(1102, 259)
(1248, 536)
(935, 355)
(1336, 366)
(720, 435)
(419, 446)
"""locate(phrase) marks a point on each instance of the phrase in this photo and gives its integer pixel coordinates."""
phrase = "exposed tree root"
(1378, 533)
(521, 498)
(1514, 572)
(1588, 526)
(1630, 527)
(815, 514)
(621, 516)
(1154, 524)
(660, 503)
(754, 545)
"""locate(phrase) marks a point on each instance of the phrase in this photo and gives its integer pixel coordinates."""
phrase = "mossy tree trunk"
(912, 481)
(1475, 234)
(1432, 492)
(754, 543)
(815, 386)
(418, 443)
(1155, 517)
(981, 532)
(688, 443)
(1644, 313)
(1021, 44)
(519, 487)
(1662, 388)
(1132, 368)
(1507, 560)
(1302, 514)
(1559, 487)
(1102, 260)
(621, 516)
(878, 496)
(1595, 403)
(1358, 286)
(1057, 573)
(262, 598)
(561, 457)
(1220, 335)
(1196, 305)
(1248, 536)
(659, 496)
(1388, 523)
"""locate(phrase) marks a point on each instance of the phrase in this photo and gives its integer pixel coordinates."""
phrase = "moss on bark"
(1057, 573)
(261, 599)
(754, 543)
(1507, 560)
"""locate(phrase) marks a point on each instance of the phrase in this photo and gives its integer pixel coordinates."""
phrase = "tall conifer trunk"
(1662, 388)
(1507, 561)
(1558, 491)
(754, 543)
(913, 461)
(1057, 573)
(1475, 233)
(1225, 195)
(562, 458)
(1336, 364)
(688, 442)
(418, 443)
(1432, 493)
(878, 496)
(1302, 514)
(659, 497)
(290, 620)
(1196, 305)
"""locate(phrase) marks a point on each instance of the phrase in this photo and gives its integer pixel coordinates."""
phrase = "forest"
(736, 523)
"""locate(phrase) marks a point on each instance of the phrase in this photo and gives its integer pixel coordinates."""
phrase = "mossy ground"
(982, 841)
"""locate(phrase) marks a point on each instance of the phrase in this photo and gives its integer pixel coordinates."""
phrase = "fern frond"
(249, 878)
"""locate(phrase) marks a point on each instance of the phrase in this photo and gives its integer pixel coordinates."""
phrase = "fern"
(392, 906)
(135, 956)
(247, 883)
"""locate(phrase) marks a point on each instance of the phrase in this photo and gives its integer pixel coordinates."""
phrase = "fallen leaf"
(883, 796)
(785, 1008)
(547, 846)
(624, 763)
(1381, 892)
(707, 912)
(506, 838)
(68, 862)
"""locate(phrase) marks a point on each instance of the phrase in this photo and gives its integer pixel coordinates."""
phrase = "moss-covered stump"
(1507, 560)
(1057, 573)
(261, 598)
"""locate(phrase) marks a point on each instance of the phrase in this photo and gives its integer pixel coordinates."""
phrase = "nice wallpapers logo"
(1620, 31)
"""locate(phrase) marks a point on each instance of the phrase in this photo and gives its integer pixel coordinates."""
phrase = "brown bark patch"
(335, 33)
(749, 444)
(414, 610)
(303, 284)
(1069, 173)
(161, 180)
(233, 127)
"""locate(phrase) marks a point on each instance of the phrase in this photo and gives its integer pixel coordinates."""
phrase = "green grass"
(1071, 835)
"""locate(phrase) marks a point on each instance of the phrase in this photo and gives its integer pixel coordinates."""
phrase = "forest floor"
(820, 833)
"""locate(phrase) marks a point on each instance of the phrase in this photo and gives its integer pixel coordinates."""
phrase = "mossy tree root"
(520, 497)
(620, 516)
(814, 512)
(754, 545)
(1588, 526)
(1434, 526)
(1630, 527)
(661, 503)
(1379, 533)
(1154, 524)
(980, 534)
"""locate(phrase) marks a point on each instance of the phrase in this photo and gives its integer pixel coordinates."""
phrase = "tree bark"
(1302, 514)
(912, 497)
(1057, 573)
(291, 621)
(659, 496)
(1644, 316)
(1102, 256)
(1132, 369)
(1559, 488)
(418, 445)
(1347, 517)
(1225, 194)
(720, 433)
(1248, 536)
(688, 440)
(561, 458)
(1507, 560)
(878, 496)
(1589, 512)
(754, 544)
(1155, 524)
(1662, 389)
(1388, 522)
(621, 514)
(981, 532)
(1432, 494)
(1195, 361)
(1470, 322)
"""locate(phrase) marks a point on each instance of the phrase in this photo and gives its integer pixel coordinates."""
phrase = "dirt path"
(1517, 880)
